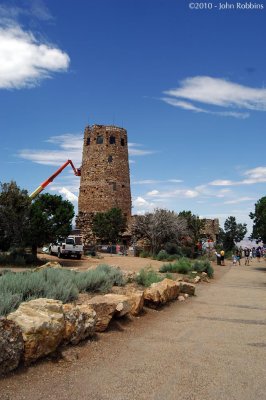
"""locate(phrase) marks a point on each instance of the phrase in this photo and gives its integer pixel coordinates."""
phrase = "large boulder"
(188, 288)
(42, 324)
(11, 345)
(123, 305)
(161, 292)
(80, 322)
(105, 309)
(136, 298)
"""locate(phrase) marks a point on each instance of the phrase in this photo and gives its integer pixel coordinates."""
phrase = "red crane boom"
(51, 178)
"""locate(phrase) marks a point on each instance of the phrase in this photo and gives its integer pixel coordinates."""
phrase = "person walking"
(222, 257)
(258, 254)
(238, 257)
(246, 253)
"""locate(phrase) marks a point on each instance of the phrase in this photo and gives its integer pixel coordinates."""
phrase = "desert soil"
(212, 347)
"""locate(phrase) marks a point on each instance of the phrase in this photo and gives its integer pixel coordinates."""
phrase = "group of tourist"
(240, 253)
(249, 254)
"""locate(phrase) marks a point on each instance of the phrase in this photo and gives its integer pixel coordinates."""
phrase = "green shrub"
(173, 257)
(187, 251)
(168, 276)
(100, 279)
(58, 284)
(144, 254)
(147, 276)
(18, 258)
(203, 266)
(162, 255)
(181, 266)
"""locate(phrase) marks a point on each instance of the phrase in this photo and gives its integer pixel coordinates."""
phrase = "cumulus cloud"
(216, 92)
(141, 206)
(68, 194)
(178, 193)
(25, 61)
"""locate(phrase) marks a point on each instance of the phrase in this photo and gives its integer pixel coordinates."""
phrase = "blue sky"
(188, 85)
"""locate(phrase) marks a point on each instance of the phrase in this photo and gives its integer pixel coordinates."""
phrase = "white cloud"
(35, 9)
(216, 92)
(174, 180)
(239, 200)
(183, 104)
(153, 193)
(179, 193)
(141, 206)
(66, 193)
(222, 182)
(145, 182)
(133, 150)
(154, 181)
(25, 61)
(255, 175)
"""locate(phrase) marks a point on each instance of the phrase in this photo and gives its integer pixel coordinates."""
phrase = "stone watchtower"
(105, 182)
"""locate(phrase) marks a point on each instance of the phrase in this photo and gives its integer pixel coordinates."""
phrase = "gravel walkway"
(212, 347)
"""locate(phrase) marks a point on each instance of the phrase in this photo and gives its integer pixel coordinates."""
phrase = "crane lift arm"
(51, 178)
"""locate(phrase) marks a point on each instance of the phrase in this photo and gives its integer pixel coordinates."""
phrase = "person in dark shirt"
(246, 252)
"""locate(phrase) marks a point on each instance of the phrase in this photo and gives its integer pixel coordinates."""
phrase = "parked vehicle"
(70, 246)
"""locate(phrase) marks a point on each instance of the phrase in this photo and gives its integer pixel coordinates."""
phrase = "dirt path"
(213, 347)
(127, 263)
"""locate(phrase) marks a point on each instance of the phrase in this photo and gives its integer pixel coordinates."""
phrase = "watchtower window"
(88, 140)
(110, 159)
(112, 140)
(122, 142)
(99, 139)
(114, 186)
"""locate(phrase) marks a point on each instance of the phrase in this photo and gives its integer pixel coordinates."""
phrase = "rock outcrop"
(80, 323)
(161, 292)
(11, 345)
(42, 324)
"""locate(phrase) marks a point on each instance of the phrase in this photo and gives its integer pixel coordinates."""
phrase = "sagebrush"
(147, 276)
(58, 284)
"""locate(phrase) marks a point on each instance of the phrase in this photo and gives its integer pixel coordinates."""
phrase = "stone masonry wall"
(105, 181)
(211, 228)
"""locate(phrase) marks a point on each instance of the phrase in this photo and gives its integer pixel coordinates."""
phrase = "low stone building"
(210, 229)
